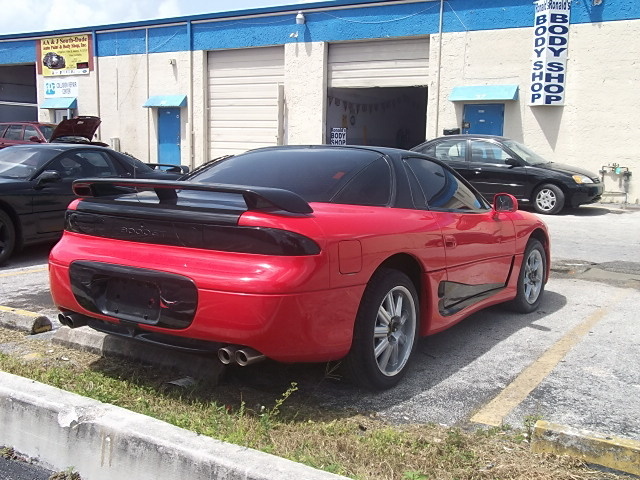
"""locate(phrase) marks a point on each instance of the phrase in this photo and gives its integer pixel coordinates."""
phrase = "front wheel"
(385, 331)
(7, 237)
(548, 199)
(531, 279)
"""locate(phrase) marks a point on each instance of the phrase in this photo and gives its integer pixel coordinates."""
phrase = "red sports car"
(298, 254)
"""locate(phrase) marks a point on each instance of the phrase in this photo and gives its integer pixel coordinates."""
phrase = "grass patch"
(289, 424)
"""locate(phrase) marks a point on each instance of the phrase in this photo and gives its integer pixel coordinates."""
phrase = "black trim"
(456, 296)
(256, 198)
(134, 295)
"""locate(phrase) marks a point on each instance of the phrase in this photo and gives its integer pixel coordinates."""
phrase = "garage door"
(381, 63)
(245, 99)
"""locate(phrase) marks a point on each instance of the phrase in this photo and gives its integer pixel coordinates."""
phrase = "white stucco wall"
(595, 127)
(305, 74)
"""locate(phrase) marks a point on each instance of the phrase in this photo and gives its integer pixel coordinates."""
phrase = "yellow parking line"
(494, 412)
(24, 272)
(24, 313)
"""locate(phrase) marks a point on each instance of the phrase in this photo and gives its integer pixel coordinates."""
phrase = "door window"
(14, 132)
(448, 150)
(30, 132)
(487, 152)
(439, 189)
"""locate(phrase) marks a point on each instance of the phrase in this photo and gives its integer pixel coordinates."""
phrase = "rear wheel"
(548, 199)
(531, 278)
(385, 331)
(7, 237)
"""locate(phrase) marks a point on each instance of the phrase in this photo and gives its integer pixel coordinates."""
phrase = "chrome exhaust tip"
(248, 356)
(227, 354)
(72, 320)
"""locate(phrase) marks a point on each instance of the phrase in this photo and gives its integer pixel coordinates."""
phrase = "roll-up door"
(379, 63)
(245, 99)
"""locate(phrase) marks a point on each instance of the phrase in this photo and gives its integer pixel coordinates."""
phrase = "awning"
(166, 101)
(60, 103)
(484, 92)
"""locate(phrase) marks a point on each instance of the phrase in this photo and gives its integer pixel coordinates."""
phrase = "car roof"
(28, 122)
(328, 148)
(61, 146)
(469, 135)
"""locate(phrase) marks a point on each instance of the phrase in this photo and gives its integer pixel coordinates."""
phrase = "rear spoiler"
(256, 198)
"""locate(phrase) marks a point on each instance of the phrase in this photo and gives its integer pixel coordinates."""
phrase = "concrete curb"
(612, 452)
(23, 320)
(103, 442)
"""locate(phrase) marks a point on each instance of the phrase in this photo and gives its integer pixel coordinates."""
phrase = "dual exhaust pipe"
(227, 355)
(242, 356)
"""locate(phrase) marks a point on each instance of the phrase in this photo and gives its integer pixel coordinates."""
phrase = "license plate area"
(133, 294)
(133, 299)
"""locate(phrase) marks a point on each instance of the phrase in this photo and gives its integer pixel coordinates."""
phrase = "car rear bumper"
(282, 323)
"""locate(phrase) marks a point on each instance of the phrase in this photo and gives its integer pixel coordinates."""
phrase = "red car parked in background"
(298, 254)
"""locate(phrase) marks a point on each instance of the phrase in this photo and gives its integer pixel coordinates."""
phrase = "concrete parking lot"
(573, 362)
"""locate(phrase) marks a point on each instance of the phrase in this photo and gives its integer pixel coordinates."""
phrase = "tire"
(548, 199)
(7, 237)
(383, 342)
(531, 278)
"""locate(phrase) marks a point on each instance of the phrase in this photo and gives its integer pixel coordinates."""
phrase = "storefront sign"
(338, 136)
(61, 88)
(550, 48)
(65, 55)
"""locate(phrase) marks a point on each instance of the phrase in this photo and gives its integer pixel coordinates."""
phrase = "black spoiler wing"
(256, 198)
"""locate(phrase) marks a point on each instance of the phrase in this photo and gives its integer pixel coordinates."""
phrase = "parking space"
(571, 362)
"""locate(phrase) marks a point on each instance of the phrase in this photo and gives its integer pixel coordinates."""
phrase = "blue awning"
(166, 101)
(484, 92)
(60, 103)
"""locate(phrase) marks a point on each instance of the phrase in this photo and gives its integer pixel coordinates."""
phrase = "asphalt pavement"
(573, 363)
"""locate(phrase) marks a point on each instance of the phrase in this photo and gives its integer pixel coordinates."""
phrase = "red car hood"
(76, 127)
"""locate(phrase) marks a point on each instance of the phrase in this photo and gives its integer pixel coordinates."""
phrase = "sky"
(20, 16)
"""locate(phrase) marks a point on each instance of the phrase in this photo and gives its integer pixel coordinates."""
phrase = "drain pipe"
(439, 67)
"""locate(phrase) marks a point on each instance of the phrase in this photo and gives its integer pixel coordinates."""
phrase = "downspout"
(439, 67)
(96, 69)
(146, 49)
(191, 132)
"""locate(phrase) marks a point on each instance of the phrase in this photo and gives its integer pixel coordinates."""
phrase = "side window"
(440, 189)
(3, 128)
(30, 132)
(371, 186)
(448, 150)
(96, 164)
(14, 132)
(67, 165)
(486, 152)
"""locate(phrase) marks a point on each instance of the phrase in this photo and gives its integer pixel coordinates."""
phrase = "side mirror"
(504, 202)
(512, 162)
(35, 139)
(46, 177)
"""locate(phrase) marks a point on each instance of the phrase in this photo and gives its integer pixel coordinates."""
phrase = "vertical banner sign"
(550, 48)
(65, 55)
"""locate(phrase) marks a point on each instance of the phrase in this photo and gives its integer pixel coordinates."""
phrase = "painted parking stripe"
(23, 272)
(494, 412)
(19, 311)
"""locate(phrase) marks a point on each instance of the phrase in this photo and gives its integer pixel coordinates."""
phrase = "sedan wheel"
(531, 279)
(7, 237)
(548, 199)
(385, 331)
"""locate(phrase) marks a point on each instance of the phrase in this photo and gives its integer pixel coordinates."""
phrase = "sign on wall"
(65, 55)
(338, 136)
(61, 88)
(550, 48)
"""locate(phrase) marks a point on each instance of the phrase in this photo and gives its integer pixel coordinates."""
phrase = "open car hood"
(83, 127)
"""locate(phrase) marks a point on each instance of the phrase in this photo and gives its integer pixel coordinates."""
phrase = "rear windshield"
(317, 175)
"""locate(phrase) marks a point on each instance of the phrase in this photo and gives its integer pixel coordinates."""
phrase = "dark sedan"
(35, 187)
(495, 164)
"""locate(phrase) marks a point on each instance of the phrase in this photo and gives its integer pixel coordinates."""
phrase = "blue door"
(485, 119)
(169, 135)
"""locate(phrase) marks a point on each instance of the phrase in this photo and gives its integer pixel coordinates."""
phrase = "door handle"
(450, 241)
(477, 171)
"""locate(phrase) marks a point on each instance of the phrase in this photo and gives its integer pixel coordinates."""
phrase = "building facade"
(558, 75)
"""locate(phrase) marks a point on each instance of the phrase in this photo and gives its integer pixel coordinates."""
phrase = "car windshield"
(47, 131)
(525, 153)
(314, 174)
(22, 162)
